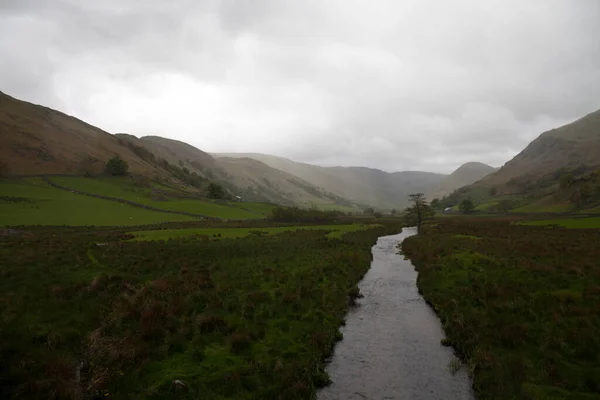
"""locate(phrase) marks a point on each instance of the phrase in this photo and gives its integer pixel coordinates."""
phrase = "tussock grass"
(520, 305)
(334, 231)
(246, 318)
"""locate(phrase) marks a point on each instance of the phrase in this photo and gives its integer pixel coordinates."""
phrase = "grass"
(246, 318)
(335, 231)
(485, 206)
(258, 208)
(124, 188)
(594, 210)
(520, 305)
(33, 202)
(571, 223)
(544, 208)
(336, 207)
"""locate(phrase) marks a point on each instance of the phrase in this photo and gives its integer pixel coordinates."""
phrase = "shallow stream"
(391, 347)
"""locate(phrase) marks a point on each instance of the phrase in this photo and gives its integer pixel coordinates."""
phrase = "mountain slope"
(464, 175)
(253, 178)
(533, 176)
(36, 139)
(245, 177)
(366, 186)
(573, 147)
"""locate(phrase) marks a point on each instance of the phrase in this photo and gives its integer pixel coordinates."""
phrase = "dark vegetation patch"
(15, 199)
(521, 304)
(250, 318)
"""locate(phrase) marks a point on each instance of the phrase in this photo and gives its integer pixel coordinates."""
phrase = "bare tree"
(419, 211)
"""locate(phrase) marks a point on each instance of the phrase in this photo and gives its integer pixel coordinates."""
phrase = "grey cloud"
(387, 84)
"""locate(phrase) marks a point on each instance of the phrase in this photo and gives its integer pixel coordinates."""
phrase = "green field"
(335, 231)
(571, 223)
(486, 205)
(544, 208)
(247, 318)
(594, 210)
(520, 304)
(123, 188)
(33, 202)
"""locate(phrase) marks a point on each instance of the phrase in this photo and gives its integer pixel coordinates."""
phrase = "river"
(391, 347)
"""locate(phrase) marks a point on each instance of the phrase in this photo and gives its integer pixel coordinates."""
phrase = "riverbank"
(520, 304)
(392, 339)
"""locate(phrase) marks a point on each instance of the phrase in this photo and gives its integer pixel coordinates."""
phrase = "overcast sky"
(396, 85)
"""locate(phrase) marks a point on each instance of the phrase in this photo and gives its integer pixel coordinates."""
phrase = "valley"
(147, 267)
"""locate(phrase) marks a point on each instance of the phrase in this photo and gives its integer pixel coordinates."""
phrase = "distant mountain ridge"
(368, 186)
(464, 175)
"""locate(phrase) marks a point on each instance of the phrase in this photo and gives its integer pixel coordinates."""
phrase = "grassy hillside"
(365, 186)
(245, 177)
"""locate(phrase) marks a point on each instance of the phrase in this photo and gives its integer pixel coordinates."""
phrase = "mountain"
(244, 177)
(464, 175)
(39, 140)
(36, 139)
(365, 186)
(532, 179)
(573, 147)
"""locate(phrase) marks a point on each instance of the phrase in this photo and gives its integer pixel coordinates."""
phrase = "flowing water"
(391, 347)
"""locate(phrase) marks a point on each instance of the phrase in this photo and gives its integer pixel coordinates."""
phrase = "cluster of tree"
(295, 214)
(581, 191)
(371, 211)
(116, 166)
(216, 191)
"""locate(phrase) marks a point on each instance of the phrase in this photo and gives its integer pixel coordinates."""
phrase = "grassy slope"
(49, 206)
(223, 233)
(520, 304)
(122, 188)
(247, 318)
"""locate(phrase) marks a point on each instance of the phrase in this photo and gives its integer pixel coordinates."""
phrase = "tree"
(466, 206)
(393, 211)
(435, 204)
(419, 211)
(116, 166)
(493, 191)
(216, 191)
(368, 211)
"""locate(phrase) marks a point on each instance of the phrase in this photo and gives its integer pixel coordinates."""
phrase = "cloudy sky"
(390, 84)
